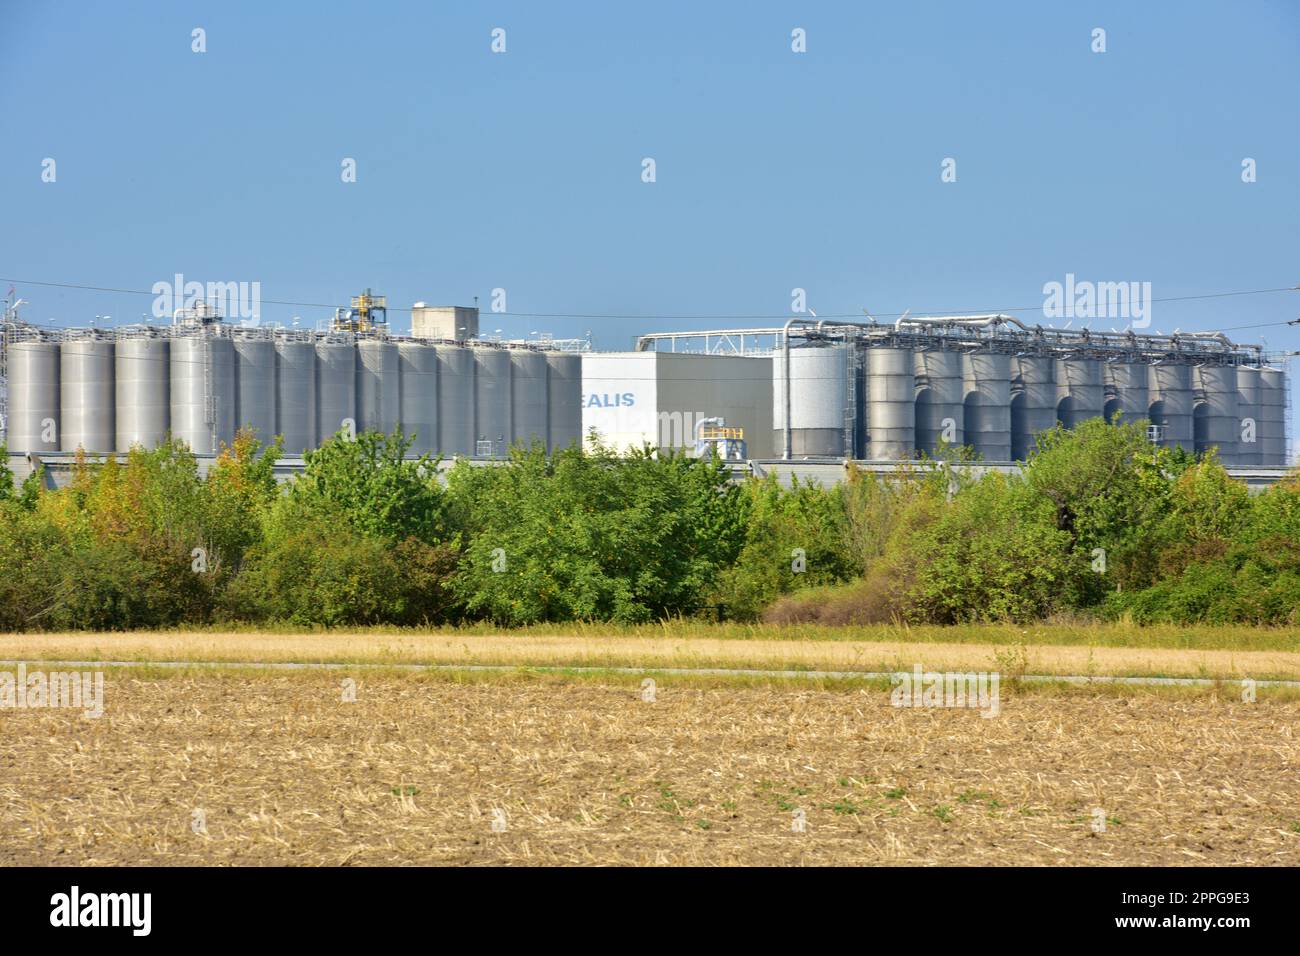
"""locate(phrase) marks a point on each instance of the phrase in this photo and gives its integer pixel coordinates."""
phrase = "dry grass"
(612, 651)
(287, 773)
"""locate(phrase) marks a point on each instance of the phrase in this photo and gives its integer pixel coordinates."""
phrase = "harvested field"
(585, 772)
(650, 652)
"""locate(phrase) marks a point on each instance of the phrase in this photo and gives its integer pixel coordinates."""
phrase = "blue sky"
(775, 170)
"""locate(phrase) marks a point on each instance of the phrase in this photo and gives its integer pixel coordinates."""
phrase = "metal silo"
(336, 386)
(940, 399)
(564, 388)
(295, 387)
(1172, 401)
(1033, 408)
(1250, 409)
(528, 397)
(143, 389)
(492, 411)
(379, 388)
(86, 393)
(255, 383)
(1273, 452)
(33, 394)
(455, 400)
(417, 365)
(203, 391)
(1127, 382)
(987, 378)
(818, 400)
(1080, 394)
(891, 404)
(1217, 423)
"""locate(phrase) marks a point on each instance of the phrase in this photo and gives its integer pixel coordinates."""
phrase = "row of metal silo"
(107, 392)
(887, 402)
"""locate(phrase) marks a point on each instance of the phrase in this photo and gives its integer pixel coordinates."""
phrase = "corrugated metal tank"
(255, 385)
(203, 392)
(295, 386)
(1250, 448)
(564, 411)
(819, 389)
(379, 386)
(940, 399)
(143, 390)
(1170, 387)
(87, 398)
(987, 378)
(1033, 406)
(417, 365)
(455, 400)
(528, 397)
(1127, 383)
(336, 387)
(1273, 401)
(33, 396)
(891, 404)
(1216, 421)
(492, 409)
(1080, 394)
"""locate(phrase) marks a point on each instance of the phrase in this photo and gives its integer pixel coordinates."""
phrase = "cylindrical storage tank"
(295, 398)
(987, 378)
(379, 387)
(819, 394)
(564, 400)
(203, 392)
(528, 397)
(1080, 394)
(33, 396)
(143, 389)
(336, 388)
(940, 399)
(455, 400)
(1250, 448)
(492, 410)
(255, 386)
(87, 396)
(1128, 382)
(1273, 452)
(1219, 425)
(1170, 384)
(1033, 407)
(891, 404)
(417, 366)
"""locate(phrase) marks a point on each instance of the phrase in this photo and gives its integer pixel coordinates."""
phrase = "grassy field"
(285, 771)
(1228, 654)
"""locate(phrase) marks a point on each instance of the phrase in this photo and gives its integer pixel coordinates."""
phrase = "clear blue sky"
(775, 170)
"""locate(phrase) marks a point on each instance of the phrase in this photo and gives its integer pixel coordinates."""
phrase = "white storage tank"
(1033, 403)
(891, 404)
(988, 404)
(417, 365)
(295, 384)
(455, 400)
(819, 395)
(1126, 383)
(1172, 403)
(492, 407)
(336, 386)
(255, 383)
(1250, 448)
(379, 387)
(564, 400)
(1273, 387)
(1216, 422)
(87, 393)
(1080, 393)
(529, 396)
(33, 395)
(940, 400)
(203, 391)
(143, 388)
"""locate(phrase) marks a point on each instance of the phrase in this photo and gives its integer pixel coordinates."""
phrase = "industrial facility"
(200, 379)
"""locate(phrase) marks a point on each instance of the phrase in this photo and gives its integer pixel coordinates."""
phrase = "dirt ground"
(256, 768)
